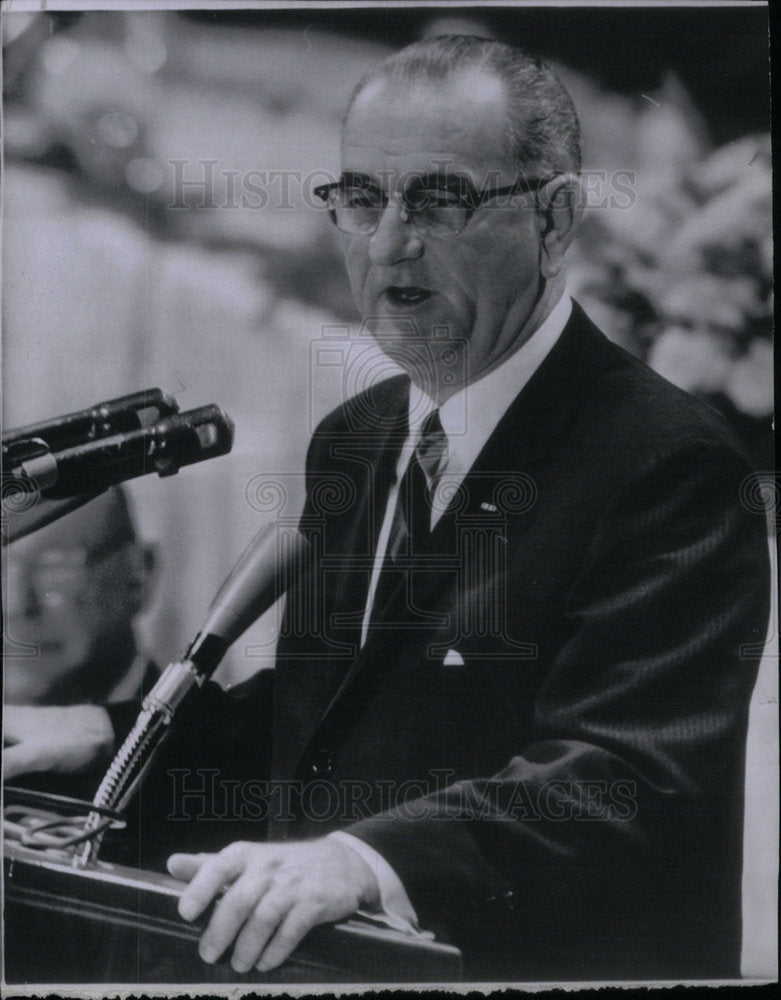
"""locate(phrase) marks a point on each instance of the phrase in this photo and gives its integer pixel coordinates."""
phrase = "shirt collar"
(470, 415)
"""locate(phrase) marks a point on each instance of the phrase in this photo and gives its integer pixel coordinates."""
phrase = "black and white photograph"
(389, 509)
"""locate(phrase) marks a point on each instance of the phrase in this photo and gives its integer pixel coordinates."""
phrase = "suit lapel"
(355, 461)
(374, 453)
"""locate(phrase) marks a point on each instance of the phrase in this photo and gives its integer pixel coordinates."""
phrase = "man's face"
(68, 614)
(474, 290)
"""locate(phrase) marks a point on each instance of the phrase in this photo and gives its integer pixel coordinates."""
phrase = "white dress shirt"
(468, 418)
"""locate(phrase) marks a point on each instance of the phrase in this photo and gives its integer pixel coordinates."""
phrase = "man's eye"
(360, 198)
(428, 198)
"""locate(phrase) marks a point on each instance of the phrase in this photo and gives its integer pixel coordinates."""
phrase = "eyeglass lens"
(434, 211)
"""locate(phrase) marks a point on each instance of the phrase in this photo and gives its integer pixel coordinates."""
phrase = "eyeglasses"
(434, 206)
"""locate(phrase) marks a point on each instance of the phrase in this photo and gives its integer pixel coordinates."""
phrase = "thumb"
(185, 866)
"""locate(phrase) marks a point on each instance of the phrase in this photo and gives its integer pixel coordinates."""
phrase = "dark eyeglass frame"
(469, 197)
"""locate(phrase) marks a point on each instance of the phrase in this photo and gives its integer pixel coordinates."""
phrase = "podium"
(111, 924)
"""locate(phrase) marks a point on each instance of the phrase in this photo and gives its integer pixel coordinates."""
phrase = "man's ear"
(560, 211)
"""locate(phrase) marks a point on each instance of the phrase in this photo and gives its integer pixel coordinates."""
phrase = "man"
(72, 592)
(515, 714)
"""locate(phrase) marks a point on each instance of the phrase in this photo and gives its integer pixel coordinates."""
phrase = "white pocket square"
(453, 659)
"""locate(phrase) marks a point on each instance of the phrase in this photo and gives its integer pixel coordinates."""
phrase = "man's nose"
(395, 238)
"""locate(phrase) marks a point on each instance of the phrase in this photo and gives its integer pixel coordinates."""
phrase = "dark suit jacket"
(561, 793)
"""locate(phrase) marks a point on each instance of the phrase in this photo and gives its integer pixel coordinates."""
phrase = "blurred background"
(159, 230)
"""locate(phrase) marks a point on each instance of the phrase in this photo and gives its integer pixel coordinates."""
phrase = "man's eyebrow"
(415, 179)
(440, 177)
(358, 179)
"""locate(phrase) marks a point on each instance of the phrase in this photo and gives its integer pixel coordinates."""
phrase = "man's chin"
(394, 330)
(410, 354)
(436, 368)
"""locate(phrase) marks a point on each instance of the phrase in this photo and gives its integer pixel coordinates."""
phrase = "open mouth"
(407, 295)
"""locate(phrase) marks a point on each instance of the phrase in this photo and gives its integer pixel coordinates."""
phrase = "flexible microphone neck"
(274, 560)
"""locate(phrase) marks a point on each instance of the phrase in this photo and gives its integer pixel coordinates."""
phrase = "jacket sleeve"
(623, 815)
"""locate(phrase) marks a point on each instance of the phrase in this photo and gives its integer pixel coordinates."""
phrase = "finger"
(217, 871)
(296, 925)
(231, 913)
(264, 920)
(186, 866)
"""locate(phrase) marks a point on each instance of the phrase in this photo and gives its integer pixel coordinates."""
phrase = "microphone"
(275, 559)
(127, 413)
(93, 466)
(272, 561)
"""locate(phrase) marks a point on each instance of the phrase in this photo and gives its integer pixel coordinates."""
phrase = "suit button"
(322, 762)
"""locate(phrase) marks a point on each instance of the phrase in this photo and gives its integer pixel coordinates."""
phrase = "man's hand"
(275, 894)
(63, 739)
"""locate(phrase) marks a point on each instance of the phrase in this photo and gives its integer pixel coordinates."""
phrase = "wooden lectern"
(111, 924)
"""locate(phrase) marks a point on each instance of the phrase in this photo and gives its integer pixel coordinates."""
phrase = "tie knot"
(432, 447)
(431, 426)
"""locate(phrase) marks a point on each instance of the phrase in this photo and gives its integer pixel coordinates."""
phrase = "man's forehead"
(415, 123)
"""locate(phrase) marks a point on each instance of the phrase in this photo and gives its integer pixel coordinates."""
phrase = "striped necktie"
(411, 523)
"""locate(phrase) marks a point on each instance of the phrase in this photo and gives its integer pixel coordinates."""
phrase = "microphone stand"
(265, 571)
(134, 757)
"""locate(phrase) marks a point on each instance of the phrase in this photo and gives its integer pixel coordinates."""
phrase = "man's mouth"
(407, 295)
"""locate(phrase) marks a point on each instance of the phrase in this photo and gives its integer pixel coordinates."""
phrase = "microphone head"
(163, 447)
(274, 559)
(115, 416)
(194, 436)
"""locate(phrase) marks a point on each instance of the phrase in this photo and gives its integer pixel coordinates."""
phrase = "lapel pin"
(488, 506)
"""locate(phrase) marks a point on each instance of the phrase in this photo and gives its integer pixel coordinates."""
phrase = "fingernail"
(241, 965)
(187, 910)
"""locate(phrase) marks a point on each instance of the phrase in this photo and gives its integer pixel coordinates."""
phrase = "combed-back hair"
(543, 132)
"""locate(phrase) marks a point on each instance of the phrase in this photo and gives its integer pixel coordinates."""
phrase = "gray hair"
(543, 127)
